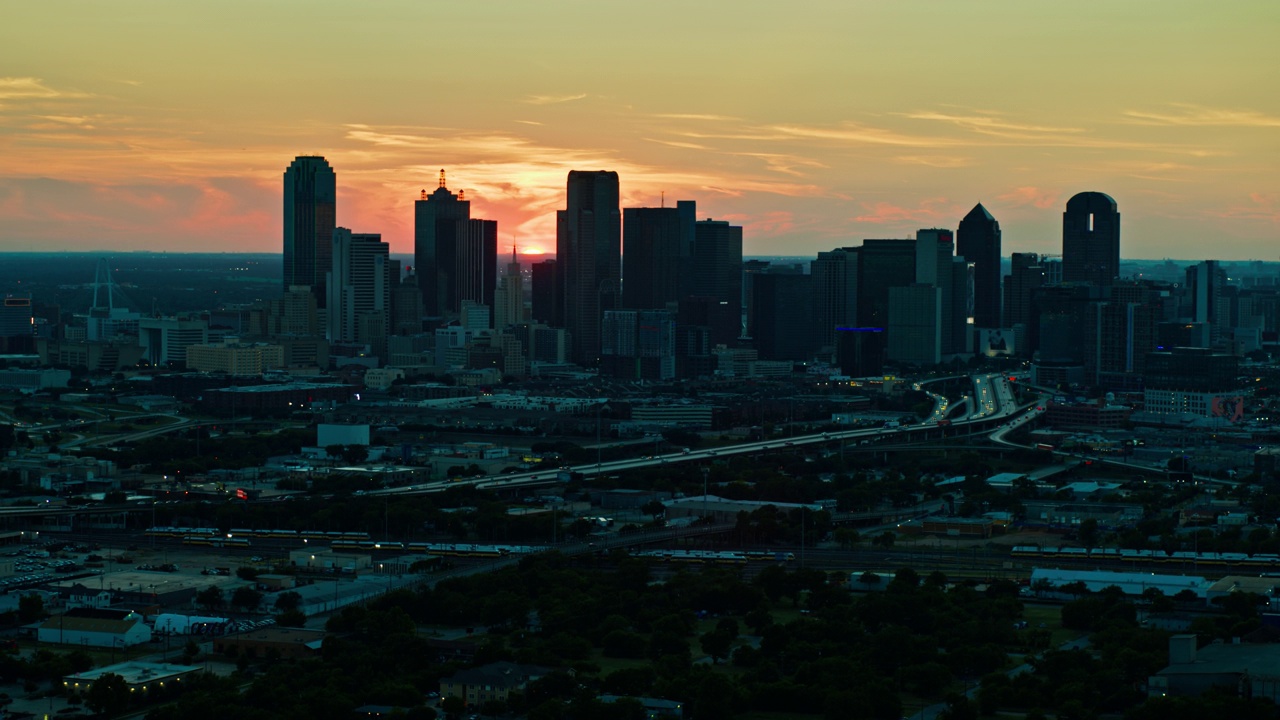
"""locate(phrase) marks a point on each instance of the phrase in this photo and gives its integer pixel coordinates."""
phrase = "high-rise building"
(936, 265)
(310, 191)
(638, 344)
(783, 316)
(835, 292)
(1025, 275)
(1205, 286)
(656, 251)
(915, 327)
(440, 228)
(545, 299)
(717, 275)
(1121, 331)
(1091, 239)
(589, 258)
(508, 299)
(882, 264)
(359, 285)
(17, 325)
(978, 241)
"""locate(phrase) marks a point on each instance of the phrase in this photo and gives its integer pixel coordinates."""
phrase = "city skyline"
(812, 128)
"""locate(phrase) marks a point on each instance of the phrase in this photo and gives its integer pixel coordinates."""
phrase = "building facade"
(310, 193)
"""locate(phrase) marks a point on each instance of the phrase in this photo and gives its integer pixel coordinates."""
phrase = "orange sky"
(167, 126)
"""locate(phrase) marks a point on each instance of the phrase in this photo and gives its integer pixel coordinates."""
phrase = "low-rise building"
(139, 676)
(495, 681)
(95, 627)
(1245, 669)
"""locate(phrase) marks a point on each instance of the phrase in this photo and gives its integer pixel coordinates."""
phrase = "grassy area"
(1051, 617)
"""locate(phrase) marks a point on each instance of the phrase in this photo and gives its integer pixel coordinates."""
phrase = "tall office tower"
(935, 261)
(882, 264)
(656, 256)
(1091, 239)
(1206, 283)
(1026, 274)
(1059, 321)
(835, 292)
(978, 240)
(588, 258)
(359, 286)
(17, 325)
(310, 191)
(545, 297)
(751, 268)
(440, 228)
(915, 327)
(1121, 331)
(508, 299)
(716, 273)
(783, 316)
(475, 274)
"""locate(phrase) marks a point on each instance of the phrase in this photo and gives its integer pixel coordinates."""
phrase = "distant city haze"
(166, 127)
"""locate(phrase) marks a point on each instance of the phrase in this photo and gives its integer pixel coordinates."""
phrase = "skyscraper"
(882, 264)
(717, 275)
(440, 227)
(835, 287)
(310, 190)
(508, 299)
(978, 240)
(359, 308)
(588, 258)
(656, 256)
(1091, 239)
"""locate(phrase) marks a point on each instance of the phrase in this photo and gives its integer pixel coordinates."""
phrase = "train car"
(1019, 551)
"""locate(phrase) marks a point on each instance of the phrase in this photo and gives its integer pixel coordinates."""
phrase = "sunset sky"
(167, 125)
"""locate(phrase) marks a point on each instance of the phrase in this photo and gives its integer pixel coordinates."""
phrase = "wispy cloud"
(1200, 116)
(937, 161)
(697, 116)
(784, 163)
(553, 99)
(1261, 206)
(528, 122)
(929, 210)
(1037, 197)
(16, 88)
(990, 124)
(855, 134)
(677, 144)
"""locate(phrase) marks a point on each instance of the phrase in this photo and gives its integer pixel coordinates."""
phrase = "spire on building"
(441, 177)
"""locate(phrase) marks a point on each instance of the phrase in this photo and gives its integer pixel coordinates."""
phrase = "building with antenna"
(455, 257)
(508, 300)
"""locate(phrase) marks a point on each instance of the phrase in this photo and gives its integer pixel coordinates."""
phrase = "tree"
(653, 508)
(211, 597)
(246, 598)
(291, 618)
(1088, 533)
(108, 695)
(716, 644)
(453, 706)
(30, 608)
(286, 601)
